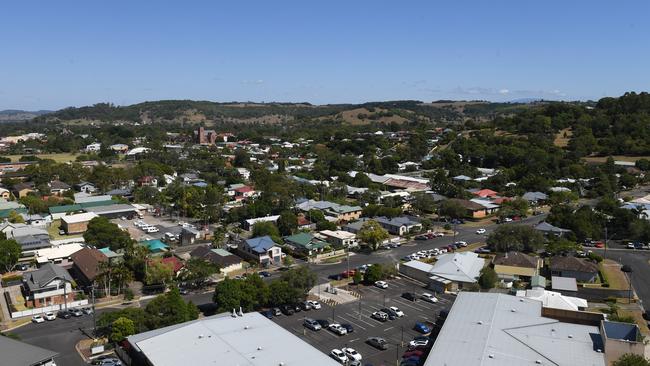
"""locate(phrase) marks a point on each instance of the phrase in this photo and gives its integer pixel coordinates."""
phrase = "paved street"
(639, 261)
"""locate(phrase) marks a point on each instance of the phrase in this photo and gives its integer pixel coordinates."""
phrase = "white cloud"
(504, 91)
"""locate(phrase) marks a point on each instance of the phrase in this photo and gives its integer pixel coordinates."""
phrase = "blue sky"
(72, 53)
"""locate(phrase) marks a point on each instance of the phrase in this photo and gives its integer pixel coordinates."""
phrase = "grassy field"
(59, 158)
(612, 272)
(562, 138)
(53, 231)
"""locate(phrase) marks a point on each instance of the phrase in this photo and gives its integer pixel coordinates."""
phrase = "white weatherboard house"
(450, 273)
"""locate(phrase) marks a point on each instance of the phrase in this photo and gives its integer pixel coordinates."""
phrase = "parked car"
(63, 314)
(412, 353)
(348, 327)
(409, 296)
(339, 356)
(183, 291)
(437, 234)
(296, 308)
(76, 313)
(87, 310)
(429, 298)
(305, 305)
(276, 311)
(337, 329)
(459, 244)
(381, 284)
(379, 315)
(422, 328)
(482, 250)
(377, 342)
(323, 323)
(314, 304)
(21, 267)
(265, 274)
(398, 313)
(111, 361)
(481, 231)
(38, 319)
(421, 237)
(419, 341)
(49, 316)
(391, 315)
(267, 314)
(287, 309)
(348, 274)
(351, 354)
(311, 324)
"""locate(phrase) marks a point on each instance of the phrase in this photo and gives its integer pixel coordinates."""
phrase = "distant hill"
(188, 111)
(15, 115)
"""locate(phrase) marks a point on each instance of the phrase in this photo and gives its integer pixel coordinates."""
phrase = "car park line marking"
(351, 322)
(360, 320)
(353, 340)
(387, 329)
(409, 305)
(330, 333)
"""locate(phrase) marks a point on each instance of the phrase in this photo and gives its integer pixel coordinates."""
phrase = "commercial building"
(243, 339)
(340, 238)
(77, 224)
(497, 329)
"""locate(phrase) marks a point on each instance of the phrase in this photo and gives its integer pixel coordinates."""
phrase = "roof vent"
(234, 313)
(539, 362)
(200, 336)
(599, 350)
(259, 348)
(521, 300)
(246, 327)
(570, 335)
(480, 322)
(491, 356)
(281, 364)
(513, 310)
(241, 313)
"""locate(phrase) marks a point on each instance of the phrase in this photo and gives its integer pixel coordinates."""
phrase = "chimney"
(234, 313)
(241, 313)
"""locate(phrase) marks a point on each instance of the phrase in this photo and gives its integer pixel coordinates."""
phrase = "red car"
(412, 353)
(599, 244)
(349, 273)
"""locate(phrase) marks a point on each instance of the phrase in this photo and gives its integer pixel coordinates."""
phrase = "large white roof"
(502, 330)
(82, 217)
(459, 267)
(249, 340)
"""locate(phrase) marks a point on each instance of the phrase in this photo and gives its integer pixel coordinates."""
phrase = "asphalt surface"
(638, 260)
(397, 332)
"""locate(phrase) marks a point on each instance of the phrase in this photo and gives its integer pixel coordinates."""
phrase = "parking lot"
(397, 333)
(164, 226)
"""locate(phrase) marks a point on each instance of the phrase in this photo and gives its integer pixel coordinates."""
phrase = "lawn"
(53, 231)
(59, 158)
(615, 277)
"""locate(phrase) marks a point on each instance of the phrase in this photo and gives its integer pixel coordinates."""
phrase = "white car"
(38, 319)
(351, 354)
(428, 297)
(381, 284)
(397, 311)
(50, 316)
(507, 219)
(418, 342)
(338, 329)
(152, 229)
(481, 231)
(314, 304)
(339, 356)
(379, 315)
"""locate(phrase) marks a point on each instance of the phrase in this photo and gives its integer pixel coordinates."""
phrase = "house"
(248, 224)
(29, 237)
(154, 245)
(174, 263)
(78, 223)
(305, 243)
(246, 339)
(582, 270)
(244, 173)
(263, 249)
(119, 148)
(21, 190)
(340, 238)
(552, 299)
(85, 187)
(548, 229)
(147, 181)
(15, 352)
(485, 193)
(451, 273)
(244, 192)
(59, 254)
(337, 212)
(304, 223)
(484, 329)
(87, 265)
(58, 188)
(189, 235)
(94, 147)
(4, 193)
(48, 285)
(535, 198)
(223, 259)
(472, 209)
(512, 266)
(400, 226)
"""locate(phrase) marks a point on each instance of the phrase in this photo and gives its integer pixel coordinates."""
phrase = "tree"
(158, 272)
(372, 234)
(121, 328)
(357, 278)
(301, 278)
(287, 223)
(197, 271)
(373, 274)
(9, 253)
(488, 278)
(169, 309)
(266, 228)
(630, 359)
(452, 209)
(287, 260)
(102, 233)
(280, 292)
(16, 218)
(423, 202)
(516, 238)
(227, 294)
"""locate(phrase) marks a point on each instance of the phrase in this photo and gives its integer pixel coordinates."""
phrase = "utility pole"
(359, 308)
(605, 254)
(92, 295)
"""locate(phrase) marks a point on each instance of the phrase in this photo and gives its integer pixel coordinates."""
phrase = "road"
(61, 335)
(638, 260)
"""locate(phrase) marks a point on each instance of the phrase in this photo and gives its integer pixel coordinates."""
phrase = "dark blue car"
(422, 328)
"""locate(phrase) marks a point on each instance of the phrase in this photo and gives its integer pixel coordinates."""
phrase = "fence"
(45, 309)
(334, 253)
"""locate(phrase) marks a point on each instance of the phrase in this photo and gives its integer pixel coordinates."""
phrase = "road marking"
(351, 322)
(387, 329)
(353, 340)
(409, 305)
(355, 317)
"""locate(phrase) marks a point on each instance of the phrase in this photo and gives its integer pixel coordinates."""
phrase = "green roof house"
(305, 243)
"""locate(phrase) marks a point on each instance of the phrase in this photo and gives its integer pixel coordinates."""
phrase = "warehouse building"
(76, 224)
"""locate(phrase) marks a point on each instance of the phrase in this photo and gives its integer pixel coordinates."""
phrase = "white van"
(151, 229)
